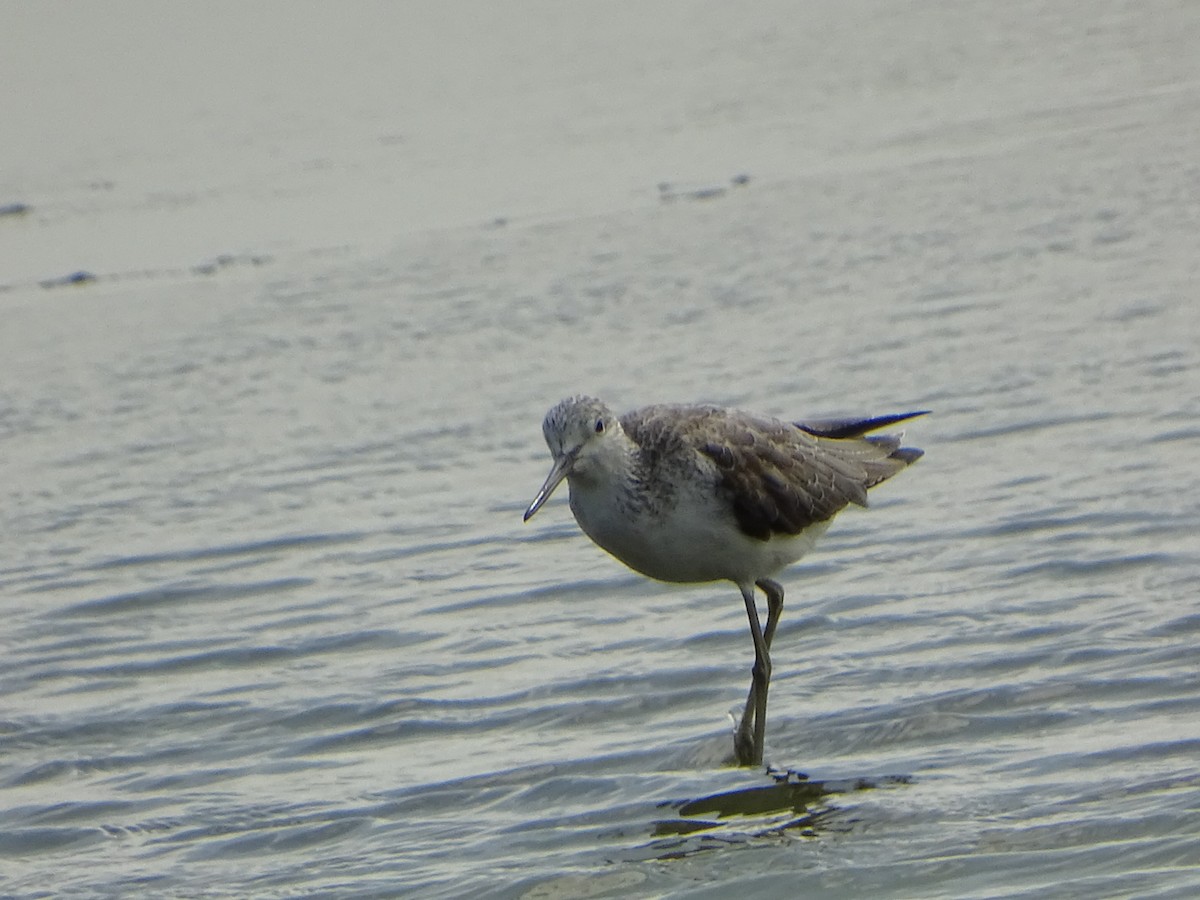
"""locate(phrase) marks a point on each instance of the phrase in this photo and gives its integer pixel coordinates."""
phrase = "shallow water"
(273, 624)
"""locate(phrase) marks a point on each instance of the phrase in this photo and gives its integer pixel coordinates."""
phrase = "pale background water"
(272, 625)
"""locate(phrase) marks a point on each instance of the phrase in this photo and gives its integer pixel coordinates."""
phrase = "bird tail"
(880, 456)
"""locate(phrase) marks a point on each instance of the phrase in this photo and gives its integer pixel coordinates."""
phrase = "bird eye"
(599, 426)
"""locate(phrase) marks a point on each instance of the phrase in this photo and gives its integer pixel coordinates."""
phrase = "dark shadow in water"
(791, 804)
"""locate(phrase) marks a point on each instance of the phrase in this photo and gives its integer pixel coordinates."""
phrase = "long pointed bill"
(562, 467)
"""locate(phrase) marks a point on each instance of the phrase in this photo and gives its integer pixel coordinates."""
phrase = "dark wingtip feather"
(852, 428)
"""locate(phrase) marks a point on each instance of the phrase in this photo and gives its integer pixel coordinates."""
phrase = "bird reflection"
(792, 805)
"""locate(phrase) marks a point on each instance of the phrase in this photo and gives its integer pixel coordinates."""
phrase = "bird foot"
(743, 744)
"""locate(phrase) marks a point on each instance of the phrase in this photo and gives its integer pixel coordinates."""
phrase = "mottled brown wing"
(777, 477)
(780, 479)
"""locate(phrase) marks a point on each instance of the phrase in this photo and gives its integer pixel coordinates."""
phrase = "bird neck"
(609, 462)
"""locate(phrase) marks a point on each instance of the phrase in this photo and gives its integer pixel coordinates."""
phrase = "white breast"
(694, 539)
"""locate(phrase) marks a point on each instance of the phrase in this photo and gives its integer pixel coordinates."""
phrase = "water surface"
(273, 625)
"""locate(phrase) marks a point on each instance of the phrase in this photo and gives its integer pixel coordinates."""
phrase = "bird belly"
(699, 546)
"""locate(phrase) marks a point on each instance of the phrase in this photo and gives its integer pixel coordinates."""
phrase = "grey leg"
(774, 592)
(748, 740)
(743, 740)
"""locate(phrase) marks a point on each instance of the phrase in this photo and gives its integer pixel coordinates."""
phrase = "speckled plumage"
(777, 477)
(693, 493)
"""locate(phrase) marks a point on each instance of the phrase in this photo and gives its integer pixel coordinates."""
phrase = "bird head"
(579, 431)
